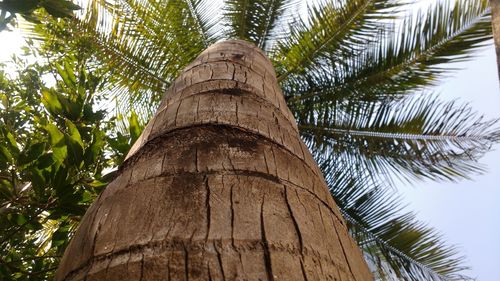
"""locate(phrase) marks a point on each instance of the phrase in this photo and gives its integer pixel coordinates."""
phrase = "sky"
(10, 42)
(466, 213)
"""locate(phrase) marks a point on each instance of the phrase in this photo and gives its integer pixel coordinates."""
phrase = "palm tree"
(356, 81)
(495, 6)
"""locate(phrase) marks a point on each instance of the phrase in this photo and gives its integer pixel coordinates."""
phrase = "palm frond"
(257, 21)
(395, 244)
(146, 43)
(334, 30)
(414, 138)
(206, 19)
(403, 62)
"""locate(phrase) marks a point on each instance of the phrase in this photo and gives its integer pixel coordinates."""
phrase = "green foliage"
(28, 9)
(54, 150)
(395, 244)
(334, 30)
(403, 59)
(162, 38)
(413, 138)
(257, 21)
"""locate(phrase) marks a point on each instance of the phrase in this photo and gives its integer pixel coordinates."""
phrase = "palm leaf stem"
(392, 136)
(197, 19)
(269, 16)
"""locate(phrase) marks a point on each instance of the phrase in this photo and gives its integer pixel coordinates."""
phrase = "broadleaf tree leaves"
(72, 107)
(32, 153)
(5, 154)
(135, 127)
(45, 161)
(56, 137)
(19, 6)
(74, 143)
(66, 73)
(38, 178)
(96, 147)
(59, 8)
(73, 133)
(10, 141)
(51, 101)
(27, 9)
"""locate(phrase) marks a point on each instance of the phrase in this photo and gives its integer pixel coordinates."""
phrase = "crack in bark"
(175, 120)
(186, 263)
(197, 165)
(168, 270)
(295, 223)
(324, 226)
(265, 161)
(345, 253)
(209, 273)
(207, 204)
(198, 109)
(237, 113)
(142, 268)
(129, 257)
(241, 262)
(232, 213)
(219, 259)
(265, 243)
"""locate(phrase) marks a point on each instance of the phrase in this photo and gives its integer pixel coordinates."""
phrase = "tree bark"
(218, 187)
(495, 21)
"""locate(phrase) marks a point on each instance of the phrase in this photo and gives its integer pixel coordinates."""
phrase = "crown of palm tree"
(356, 75)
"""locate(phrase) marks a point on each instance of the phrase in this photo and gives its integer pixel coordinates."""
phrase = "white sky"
(467, 213)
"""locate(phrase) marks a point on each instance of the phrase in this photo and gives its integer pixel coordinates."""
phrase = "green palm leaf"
(413, 138)
(395, 244)
(257, 21)
(334, 30)
(146, 44)
(404, 61)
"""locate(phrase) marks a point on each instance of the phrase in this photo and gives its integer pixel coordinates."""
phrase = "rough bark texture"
(495, 21)
(218, 187)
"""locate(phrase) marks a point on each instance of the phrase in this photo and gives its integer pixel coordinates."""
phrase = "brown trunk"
(495, 10)
(218, 187)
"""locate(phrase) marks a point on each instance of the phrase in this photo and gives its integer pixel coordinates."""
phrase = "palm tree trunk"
(218, 187)
(495, 10)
